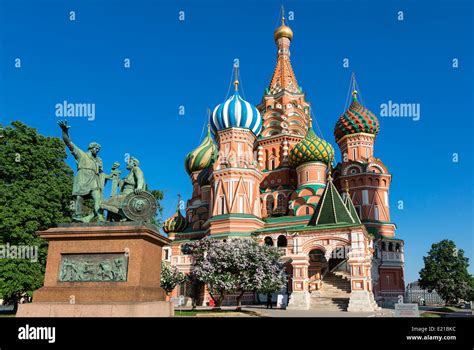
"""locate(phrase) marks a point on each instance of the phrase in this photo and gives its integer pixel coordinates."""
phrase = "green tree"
(35, 194)
(158, 194)
(446, 272)
(170, 277)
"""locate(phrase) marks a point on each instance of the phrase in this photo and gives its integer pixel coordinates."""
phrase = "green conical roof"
(331, 209)
(352, 210)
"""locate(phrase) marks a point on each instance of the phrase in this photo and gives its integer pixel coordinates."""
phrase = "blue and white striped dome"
(236, 113)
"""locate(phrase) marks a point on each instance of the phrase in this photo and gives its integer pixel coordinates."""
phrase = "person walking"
(269, 301)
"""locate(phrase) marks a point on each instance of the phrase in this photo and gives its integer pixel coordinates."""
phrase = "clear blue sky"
(188, 63)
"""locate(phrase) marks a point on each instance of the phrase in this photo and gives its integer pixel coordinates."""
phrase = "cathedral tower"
(198, 164)
(368, 181)
(286, 115)
(236, 177)
(368, 177)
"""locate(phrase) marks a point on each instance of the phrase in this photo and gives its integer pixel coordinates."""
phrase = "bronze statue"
(134, 181)
(87, 182)
(133, 203)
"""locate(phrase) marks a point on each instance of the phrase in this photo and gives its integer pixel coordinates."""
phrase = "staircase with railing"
(335, 290)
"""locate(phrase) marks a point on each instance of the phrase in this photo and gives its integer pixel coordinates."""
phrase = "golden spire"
(236, 77)
(283, 31)
(354, 87)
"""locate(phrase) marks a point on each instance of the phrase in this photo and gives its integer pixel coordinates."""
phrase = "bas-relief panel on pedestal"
(109, 267)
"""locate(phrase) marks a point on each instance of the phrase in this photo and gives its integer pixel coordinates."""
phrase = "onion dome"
(236, 113)
(283, 31)
(357, 119)
(175, 223)
(203, 177)
(311, 149)
(203, 156)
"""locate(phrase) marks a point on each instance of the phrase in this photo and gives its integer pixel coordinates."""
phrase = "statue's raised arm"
(66, 138)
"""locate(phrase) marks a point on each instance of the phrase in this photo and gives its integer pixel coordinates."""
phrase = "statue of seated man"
(134, 182)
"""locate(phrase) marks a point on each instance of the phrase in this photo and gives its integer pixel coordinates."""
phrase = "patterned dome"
(355, 120)
(175, 223)
(311, 149)
(203, 177)
(236, 113)
(203, 156)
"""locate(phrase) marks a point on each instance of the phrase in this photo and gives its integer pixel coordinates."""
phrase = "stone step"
(325, 287)
(332, 294)
(336, 285)
(328, 303)
(336, 282)
(337, 292)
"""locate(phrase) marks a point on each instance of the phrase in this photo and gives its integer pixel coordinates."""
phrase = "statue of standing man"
(87, 182)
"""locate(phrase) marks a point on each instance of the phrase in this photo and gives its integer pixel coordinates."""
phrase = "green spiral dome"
(203, 156)
(311, 149)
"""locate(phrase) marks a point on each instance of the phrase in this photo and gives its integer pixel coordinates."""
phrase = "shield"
(139, 207)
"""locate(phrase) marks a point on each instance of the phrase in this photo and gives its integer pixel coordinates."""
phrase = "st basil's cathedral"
(263, 172)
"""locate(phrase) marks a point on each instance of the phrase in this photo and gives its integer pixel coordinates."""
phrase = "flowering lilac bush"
(236, 266)
(170, 277)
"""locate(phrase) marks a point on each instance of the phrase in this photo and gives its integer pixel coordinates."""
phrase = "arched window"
(222, 205)
(282, 241)
(268, 241)
(270, 205)
(317, 255)
(281, 202)
(390, 247)
(397, 247)
(307, 210)
(384, 247)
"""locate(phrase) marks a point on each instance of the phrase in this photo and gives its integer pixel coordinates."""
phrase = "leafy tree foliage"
(446, 272)
(35, 193)
(158, 194)
(170, 277)
(236, 266)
